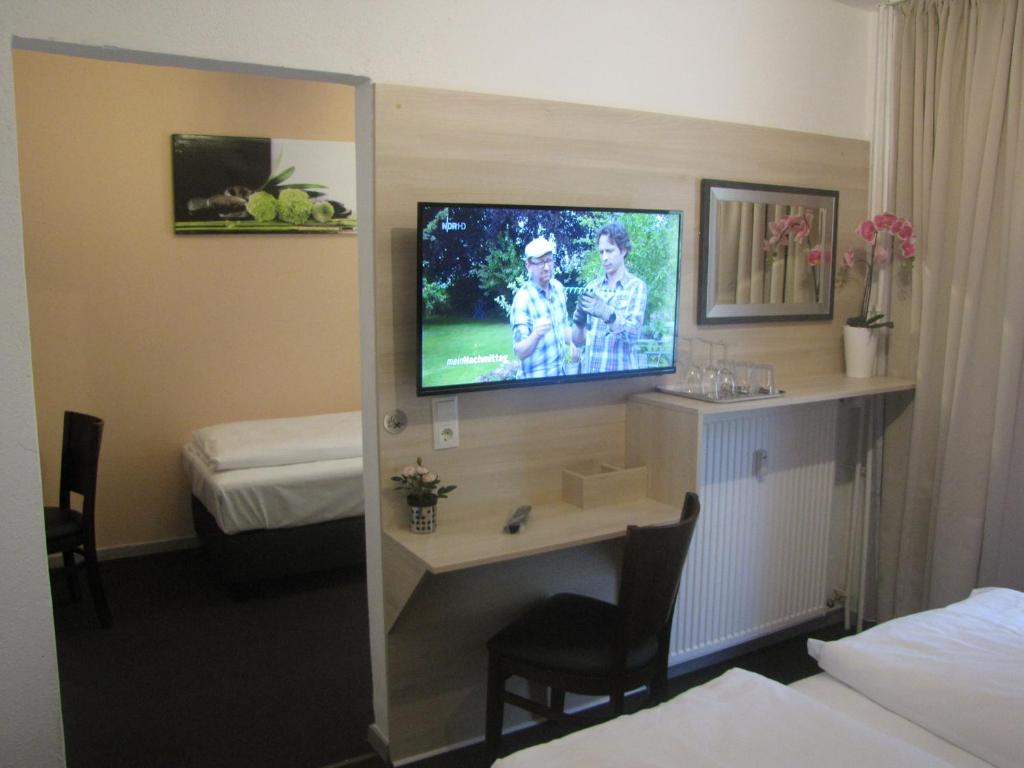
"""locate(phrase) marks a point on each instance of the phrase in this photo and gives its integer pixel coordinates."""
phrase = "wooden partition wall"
(452, 146)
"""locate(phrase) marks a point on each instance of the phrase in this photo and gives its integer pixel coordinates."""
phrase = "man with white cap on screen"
(541, 332)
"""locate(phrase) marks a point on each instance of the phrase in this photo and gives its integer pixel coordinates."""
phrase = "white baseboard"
(378, 742)
(136, 550)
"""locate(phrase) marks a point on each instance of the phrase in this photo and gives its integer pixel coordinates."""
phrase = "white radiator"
(759, 556)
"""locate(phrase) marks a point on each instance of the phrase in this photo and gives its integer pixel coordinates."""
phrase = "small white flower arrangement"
(423, 487)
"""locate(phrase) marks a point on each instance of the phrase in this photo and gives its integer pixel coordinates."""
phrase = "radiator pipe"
(852, 507)
(869, 497)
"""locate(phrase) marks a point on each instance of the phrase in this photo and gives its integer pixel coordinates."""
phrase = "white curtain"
(958, 172)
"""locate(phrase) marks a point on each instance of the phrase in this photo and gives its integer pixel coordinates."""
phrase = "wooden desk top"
(467, 542)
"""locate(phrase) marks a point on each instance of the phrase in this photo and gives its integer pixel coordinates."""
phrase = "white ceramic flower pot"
(860, 346)
(423, 519)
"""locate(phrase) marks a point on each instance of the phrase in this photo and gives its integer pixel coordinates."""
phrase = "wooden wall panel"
(452, 146)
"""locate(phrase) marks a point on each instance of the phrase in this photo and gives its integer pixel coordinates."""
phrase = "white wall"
(30, 724)
(796, 64)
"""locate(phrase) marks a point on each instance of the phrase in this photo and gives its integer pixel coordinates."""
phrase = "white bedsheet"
(273, 442)
(957, 671)
(259, 498)
(830, 692)
(739, 719)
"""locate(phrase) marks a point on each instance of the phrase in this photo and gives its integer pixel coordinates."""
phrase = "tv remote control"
(518, 519)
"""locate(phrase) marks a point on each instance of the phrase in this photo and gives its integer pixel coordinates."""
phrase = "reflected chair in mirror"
(73, 532)
(578, 644)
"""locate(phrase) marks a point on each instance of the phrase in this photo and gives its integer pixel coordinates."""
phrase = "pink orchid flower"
(814, 256)
(867, 231)
(848, 258)
(800, 229)
(884, 220)
(881, 255)
(422, 470)
(903, 229)
(409, 471)
(429, 477)
(908, 248)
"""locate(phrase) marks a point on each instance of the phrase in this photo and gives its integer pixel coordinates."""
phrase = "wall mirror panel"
(767, 253)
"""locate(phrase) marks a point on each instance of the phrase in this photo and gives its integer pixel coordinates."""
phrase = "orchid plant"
(422, 486)
(796, 227)
(885, 234)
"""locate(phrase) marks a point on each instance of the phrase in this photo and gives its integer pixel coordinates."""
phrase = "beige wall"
(454, 146)
(160, 334)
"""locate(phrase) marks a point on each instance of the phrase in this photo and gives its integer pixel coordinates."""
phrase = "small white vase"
(860, 346)
(423, 519)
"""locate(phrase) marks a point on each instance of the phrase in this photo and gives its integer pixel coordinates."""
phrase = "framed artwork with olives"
(247, 185)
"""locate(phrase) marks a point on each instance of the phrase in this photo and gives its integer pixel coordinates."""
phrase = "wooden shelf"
(797, 391)
(468, 542)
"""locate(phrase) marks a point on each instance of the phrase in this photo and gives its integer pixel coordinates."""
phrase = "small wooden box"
(595, 484)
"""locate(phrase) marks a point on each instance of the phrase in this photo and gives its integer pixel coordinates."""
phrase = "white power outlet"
(446, 422)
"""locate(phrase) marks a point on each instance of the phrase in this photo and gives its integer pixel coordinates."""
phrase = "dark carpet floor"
(189, 675)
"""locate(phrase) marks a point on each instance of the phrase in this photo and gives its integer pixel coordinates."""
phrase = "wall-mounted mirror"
(766, 252)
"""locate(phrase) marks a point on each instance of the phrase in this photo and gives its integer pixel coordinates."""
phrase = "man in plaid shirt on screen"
(541, 334)
(610, 312)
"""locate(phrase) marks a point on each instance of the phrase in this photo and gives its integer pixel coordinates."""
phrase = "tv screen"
(519, 295)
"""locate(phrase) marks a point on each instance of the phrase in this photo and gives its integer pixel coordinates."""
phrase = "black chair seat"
(572, 633)
(60, 524)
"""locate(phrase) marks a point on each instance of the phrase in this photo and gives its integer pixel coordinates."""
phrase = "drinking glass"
(741, 370)
(762, 380)
(692, 373)
(709, 374)
(726, 378)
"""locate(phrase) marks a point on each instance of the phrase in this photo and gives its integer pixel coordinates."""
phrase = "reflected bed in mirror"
(766, 253)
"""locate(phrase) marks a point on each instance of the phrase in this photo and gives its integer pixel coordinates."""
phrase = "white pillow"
(272, 442)
(956, 671)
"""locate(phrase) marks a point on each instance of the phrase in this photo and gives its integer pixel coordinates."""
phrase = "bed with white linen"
(938, 688)
(278, 496)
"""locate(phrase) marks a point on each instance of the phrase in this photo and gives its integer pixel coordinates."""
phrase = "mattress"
(281, 496)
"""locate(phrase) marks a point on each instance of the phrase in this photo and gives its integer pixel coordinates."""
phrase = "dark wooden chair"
(582, 645)
(69, 531)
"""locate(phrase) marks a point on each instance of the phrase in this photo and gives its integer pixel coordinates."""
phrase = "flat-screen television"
(516, 295)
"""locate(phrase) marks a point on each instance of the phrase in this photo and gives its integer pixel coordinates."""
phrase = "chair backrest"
(79, 459)
(651, 568)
